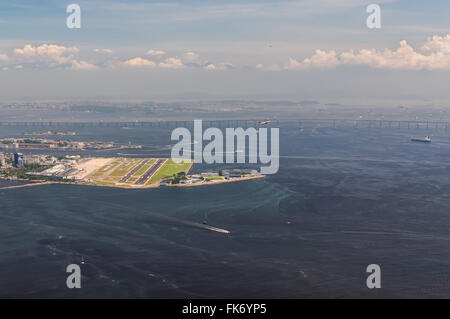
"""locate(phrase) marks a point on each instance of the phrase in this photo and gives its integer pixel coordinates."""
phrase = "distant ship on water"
(425, 139)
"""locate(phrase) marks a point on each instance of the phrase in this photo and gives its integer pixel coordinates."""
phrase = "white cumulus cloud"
(191, 56)
(172, 63)
(219, 66)
(139, 62)
(438, 44)
(103, 50)
(49, 52)
(83, 65)
(155, 52)
(320, 59)
(433, 55)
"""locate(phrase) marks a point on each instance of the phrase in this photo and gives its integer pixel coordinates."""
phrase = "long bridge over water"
(355, 123)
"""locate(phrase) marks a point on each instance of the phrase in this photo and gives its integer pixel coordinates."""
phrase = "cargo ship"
(425, 139)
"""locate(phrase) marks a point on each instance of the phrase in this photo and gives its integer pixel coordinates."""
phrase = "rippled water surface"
(343, 198)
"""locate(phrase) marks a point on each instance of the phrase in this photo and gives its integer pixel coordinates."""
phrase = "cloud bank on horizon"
(234, 48)
(434, 54)
(52, 56)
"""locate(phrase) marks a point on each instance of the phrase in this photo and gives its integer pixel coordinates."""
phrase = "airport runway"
(133, 171)
(152, 170)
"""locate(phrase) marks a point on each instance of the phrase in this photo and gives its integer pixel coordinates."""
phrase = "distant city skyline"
(304, 49)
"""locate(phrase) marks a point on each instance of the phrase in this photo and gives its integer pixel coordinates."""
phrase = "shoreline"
(234, 180)
(26, 185)
(156, 185)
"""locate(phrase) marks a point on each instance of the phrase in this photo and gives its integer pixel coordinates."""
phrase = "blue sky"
(118, 23)
(224, 48)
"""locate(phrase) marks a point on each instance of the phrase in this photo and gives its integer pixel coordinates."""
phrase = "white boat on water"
(425, 139)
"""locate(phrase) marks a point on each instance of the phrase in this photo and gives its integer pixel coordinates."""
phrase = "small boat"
(425, 139)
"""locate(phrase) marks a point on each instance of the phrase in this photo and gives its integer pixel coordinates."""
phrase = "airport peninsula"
(120, 172)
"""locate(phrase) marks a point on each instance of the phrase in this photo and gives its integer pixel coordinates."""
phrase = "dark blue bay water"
(343, 198)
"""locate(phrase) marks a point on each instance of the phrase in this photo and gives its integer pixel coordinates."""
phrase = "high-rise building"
(2, 160)
(18, 159)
